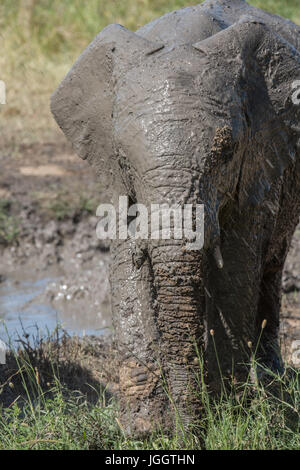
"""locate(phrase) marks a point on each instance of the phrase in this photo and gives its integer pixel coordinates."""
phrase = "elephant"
(197, 107)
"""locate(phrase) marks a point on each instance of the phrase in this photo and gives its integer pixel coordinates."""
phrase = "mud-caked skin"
(195, 107)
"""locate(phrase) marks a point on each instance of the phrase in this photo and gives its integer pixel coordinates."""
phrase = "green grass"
(68, 421)
(58, 423)
(9, 227)
(48, 412)
(64, 207)
(71, 423)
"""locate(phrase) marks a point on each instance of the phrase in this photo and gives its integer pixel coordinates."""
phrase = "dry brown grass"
(40, 41)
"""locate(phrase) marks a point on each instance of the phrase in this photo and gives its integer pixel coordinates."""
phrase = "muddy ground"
(48, 198)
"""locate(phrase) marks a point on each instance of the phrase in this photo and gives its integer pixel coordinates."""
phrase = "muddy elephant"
(198, 107)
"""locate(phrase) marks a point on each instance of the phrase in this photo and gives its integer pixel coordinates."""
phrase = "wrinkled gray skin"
(195, 107)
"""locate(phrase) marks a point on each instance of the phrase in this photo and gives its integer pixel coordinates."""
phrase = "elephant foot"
(143, 402)
(148, 404)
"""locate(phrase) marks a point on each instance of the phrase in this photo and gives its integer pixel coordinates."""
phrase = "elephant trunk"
(180, 308)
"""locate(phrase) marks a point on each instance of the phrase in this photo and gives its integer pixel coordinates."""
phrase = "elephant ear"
(83, 103)
(268, 67)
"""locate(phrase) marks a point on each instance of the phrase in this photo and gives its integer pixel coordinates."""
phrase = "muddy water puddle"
(36, 304)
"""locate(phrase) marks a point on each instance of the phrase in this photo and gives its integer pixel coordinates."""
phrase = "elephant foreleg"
(142, 400)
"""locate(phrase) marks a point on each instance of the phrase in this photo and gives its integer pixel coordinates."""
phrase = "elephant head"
(207, 123)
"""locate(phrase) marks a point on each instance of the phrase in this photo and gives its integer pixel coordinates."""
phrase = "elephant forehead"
(167, 98)
(174, 114)
(171, 112)
(164, 121)
(177, 83)
(181, 64)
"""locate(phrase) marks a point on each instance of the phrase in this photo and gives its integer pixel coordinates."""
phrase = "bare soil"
(48, 200)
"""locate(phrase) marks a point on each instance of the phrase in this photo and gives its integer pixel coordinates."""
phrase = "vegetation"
(65, 207)
(40, 40)
(9, 229)
(51, 401)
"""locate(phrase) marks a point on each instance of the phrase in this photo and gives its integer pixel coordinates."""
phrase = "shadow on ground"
(87, 366)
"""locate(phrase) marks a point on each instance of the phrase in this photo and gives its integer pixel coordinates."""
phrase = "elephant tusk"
(218, 257)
